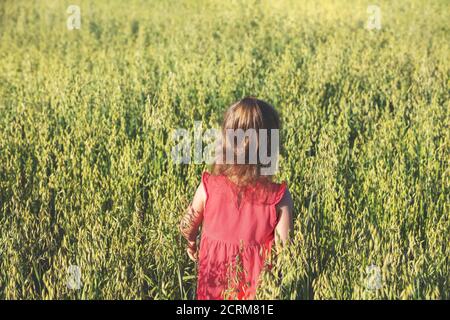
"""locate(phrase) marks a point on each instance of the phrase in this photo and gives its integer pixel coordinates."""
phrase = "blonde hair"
(248, 113)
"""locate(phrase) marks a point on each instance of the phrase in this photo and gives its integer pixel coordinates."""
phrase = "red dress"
(237, 233)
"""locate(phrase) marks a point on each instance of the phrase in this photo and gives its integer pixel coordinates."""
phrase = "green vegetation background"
(86, 118)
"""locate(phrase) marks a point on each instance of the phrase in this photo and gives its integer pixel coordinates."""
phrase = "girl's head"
(250, 141)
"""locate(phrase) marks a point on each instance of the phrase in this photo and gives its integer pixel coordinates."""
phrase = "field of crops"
(86, 117)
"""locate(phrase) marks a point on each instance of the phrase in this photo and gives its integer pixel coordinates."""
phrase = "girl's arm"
(285, 224)
(192, 220)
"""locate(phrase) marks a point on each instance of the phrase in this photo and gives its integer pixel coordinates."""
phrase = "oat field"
(87, 182)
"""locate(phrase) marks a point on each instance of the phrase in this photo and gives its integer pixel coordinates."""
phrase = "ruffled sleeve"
(278, 195)
(205, 182)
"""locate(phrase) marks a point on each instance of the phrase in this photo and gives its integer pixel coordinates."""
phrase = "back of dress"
(238, 231)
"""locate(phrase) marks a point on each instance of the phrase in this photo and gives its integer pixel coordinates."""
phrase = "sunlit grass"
(86, 116)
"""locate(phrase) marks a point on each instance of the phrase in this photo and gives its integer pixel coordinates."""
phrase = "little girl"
(242, 212)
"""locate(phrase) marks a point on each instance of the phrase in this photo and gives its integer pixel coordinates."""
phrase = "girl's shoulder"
(211, 182)
(266, 192)
(277, 191)
(215, 182)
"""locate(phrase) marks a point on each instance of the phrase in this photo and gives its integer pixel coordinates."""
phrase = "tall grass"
(86, 118)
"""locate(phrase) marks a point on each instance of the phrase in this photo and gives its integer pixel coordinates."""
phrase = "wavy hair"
(248, 113)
